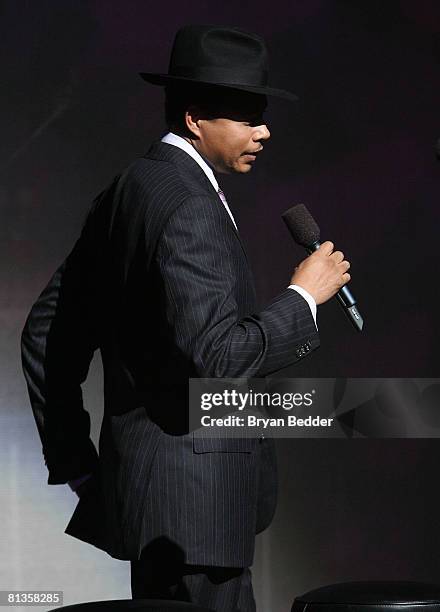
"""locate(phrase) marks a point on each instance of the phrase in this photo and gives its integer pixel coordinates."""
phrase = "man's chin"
(238, 168)
(243, 168)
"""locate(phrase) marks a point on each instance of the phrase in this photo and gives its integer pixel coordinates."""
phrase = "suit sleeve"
(57, 345)
(199, 274)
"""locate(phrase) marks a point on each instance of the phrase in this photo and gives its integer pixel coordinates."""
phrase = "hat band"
(221, 75)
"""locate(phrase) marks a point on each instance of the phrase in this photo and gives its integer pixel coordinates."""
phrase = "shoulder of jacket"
(162, 179)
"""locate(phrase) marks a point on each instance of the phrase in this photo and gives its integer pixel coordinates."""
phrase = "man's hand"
(323, 273)
(82, 485)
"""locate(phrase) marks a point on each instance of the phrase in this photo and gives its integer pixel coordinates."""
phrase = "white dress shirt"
(178, 141)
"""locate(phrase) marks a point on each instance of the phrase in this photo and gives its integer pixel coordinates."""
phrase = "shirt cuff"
(74, 484)
(308, 298)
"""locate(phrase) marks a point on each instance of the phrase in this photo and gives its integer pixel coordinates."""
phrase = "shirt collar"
(178, 141)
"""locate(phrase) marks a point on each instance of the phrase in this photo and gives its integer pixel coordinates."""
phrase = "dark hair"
(178, 98)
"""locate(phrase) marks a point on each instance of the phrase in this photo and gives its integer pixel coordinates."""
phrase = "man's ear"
(192, 120)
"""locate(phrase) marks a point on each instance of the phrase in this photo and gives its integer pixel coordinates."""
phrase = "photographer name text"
(254, 421)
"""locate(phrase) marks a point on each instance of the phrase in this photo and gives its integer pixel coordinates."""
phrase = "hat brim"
(166, 79)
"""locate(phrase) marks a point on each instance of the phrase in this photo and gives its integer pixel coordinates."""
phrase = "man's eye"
(257, 121)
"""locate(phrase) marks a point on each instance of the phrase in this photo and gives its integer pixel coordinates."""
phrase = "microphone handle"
(345, 298)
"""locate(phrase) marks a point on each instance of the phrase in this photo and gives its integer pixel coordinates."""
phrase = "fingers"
(326, 247)
(338, 256)
(345, 265)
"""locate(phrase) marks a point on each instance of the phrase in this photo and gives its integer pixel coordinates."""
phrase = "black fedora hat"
(219, 55)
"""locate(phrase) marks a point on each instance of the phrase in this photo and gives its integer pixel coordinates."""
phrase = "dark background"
(358, 149)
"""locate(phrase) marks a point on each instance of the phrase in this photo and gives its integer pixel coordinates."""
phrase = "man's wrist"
(77, 482)
(309, 299)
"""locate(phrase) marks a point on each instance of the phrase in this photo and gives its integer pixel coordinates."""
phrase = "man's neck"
(193, 143)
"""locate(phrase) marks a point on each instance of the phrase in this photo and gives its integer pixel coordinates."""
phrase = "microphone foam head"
(302, 225)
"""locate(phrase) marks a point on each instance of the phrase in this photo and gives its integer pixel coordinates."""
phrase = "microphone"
(305, 232)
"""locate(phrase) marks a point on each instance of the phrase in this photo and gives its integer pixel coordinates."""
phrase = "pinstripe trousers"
(217, 588)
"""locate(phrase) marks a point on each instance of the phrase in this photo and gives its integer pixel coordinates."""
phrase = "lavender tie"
(223, 199)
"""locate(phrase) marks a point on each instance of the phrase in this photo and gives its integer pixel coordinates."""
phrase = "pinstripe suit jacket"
(159, 281)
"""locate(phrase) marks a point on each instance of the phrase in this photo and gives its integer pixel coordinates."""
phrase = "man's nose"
(262, 132)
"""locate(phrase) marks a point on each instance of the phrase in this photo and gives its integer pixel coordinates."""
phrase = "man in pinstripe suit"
(159, 281)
